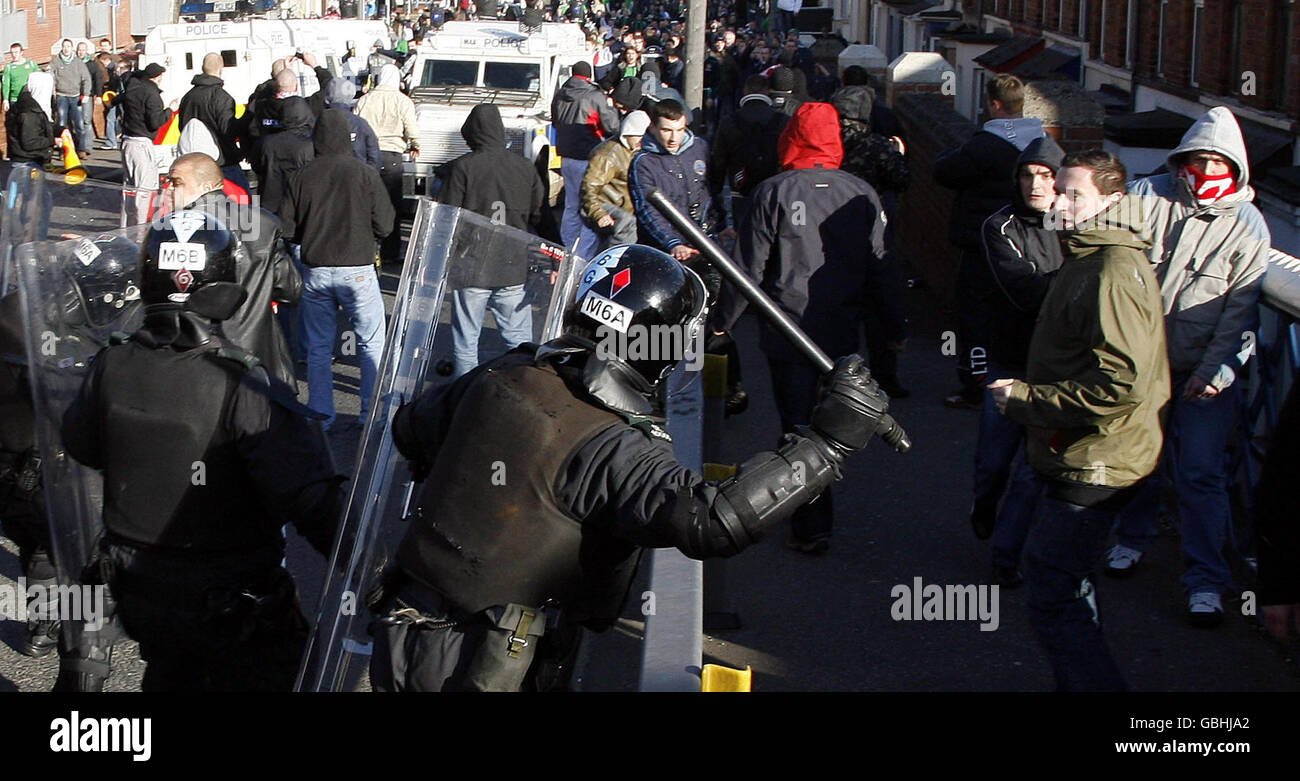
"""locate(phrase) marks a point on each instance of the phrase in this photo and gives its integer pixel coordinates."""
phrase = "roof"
(1159, 128)
(1047, 63)
(1016, 50)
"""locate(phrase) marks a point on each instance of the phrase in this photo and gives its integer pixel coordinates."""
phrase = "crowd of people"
(1100, 329)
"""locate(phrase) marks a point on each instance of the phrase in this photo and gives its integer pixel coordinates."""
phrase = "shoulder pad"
(648, 426)
(119, 337)
(238, 356)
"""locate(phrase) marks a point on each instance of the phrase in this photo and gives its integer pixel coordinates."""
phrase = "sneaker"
(1205, 608)
(811, 547)
(1007, 577)
(1121, 560)
(983, 517)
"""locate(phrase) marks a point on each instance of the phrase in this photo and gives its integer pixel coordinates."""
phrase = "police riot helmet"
(640, 306)
(190, 262)
(103, 280)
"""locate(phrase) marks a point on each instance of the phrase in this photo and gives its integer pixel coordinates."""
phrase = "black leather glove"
(850, 406)
(709, 275)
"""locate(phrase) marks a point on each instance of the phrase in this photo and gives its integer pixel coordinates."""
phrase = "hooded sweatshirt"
(337, 206)
(1098, 374)
(390, 113)
(71, 78)
(196, 137)
(1023, 255)
(582, 118)
(284, 154)
(980, 170)
(497, 183)
(341, 95)
(29, 129)
(814, 240)
(1210, 259)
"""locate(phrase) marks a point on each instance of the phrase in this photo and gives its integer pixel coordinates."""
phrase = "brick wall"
(932, 127)
(42, 33)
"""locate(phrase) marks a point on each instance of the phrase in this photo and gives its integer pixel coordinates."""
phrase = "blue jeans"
(356, 290)
(571, 227)
(1001, 466)
(110, 127)
(1060, 555)
(513, 315)
(69, 108)
(1196, 459)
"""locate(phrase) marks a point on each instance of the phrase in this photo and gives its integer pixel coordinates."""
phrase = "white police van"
(464, 64)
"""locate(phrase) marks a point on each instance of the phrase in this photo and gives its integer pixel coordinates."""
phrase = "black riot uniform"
(549, 471)
(203, 463)
(22, 508)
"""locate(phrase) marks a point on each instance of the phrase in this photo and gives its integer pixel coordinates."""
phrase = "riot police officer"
(549, 470)
(204, 460)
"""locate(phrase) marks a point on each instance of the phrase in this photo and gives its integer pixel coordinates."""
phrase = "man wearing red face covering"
(814, 240)
(1209, 249)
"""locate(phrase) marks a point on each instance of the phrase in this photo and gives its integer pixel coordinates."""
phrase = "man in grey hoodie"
(982, 172)
(71, 93)
(1209, 251)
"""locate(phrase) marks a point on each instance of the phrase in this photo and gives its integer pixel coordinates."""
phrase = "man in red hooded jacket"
(802, 241)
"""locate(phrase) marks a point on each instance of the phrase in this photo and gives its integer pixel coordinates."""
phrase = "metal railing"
(1270, 374)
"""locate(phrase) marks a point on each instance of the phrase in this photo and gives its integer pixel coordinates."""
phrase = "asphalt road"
(827, 623)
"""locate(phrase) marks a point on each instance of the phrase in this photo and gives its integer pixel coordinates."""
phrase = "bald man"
(265, 270)
(208, 102)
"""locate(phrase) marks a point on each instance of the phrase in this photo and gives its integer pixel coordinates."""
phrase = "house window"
(1083, 19)
(1101, 35)
(1198, 11)
(1131, 28)
(40, 9)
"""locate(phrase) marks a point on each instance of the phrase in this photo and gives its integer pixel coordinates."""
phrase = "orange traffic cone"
(73, 171)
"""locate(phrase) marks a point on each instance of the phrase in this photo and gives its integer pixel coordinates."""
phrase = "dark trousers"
(794, 384)
(390, 172)
(974, 289)
(1060, 559)
(218, 623)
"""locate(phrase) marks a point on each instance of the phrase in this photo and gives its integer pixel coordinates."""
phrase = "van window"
(449, 73)
(228, 58)
(513, 75)
(189, 61)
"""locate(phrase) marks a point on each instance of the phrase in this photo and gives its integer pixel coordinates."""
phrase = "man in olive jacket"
(605, 199)
(1096, 382)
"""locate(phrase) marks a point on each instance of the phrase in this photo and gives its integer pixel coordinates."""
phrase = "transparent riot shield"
(453, 255)
(75, 294)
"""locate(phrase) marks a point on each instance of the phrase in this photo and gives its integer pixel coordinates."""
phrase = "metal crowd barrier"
(1270, 374)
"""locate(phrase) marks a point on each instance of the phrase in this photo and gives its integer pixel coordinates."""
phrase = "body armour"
(173, 476)
(489, 530)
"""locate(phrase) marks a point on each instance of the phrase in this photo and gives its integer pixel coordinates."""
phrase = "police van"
(464, 64)
(248, 48)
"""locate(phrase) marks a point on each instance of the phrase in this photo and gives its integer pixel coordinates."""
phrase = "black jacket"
(30, 133)
(208, 102)
(582, 118)
(337, 206)
(981, 170)
(143, 112)
(491, 175)
(285, 153)
(1023, 257)
(268, 274)
(744, 149)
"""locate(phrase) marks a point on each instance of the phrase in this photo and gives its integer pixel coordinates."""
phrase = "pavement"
(827, 623)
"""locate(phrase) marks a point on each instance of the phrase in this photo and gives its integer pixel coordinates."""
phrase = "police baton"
(889, 430)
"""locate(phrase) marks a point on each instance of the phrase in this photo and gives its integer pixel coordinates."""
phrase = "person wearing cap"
(143, 115)
(606, 201)
(208, 102)
(784, 93)
(627, 97)
(341, 95)
(583, 117)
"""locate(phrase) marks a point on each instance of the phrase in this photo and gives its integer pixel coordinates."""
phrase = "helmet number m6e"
(175, 256)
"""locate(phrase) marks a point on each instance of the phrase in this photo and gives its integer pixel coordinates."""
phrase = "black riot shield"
(76, 293)
(456, 260)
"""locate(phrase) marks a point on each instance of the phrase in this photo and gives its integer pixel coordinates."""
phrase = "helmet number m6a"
(604, 311)
(174, 256)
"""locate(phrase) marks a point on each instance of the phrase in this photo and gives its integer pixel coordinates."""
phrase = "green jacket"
(1098, 373)
(15, 78)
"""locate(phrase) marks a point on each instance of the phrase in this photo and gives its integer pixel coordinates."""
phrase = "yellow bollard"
(716, 678)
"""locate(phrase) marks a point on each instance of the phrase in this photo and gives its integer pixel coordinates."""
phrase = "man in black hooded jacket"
(504, 187)
(285, 153)
(1023, 256)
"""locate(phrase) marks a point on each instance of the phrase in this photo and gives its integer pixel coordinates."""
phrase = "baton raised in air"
(889, 430)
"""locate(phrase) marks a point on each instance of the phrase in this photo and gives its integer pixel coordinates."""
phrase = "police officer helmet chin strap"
(169, 325)
(611, 382)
